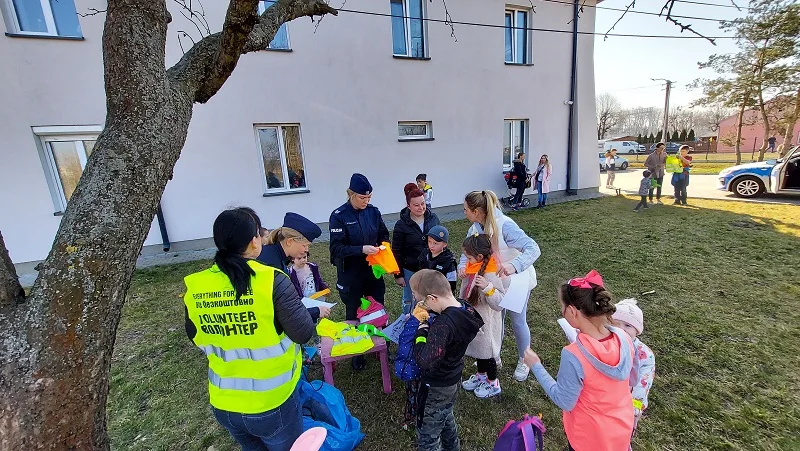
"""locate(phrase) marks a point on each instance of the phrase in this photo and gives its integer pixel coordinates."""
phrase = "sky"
(624, 66)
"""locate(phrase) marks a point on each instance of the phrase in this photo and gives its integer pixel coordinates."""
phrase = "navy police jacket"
(351, 229)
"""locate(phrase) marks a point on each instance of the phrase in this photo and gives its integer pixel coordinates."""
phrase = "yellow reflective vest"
(251, 368)
(347, 340)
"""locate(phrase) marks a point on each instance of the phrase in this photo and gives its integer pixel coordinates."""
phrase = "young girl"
(484, 290)
(305, 276)
(629, 318)
(592, 387)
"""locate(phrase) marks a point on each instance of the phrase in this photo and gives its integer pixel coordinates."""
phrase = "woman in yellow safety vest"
(248, 319)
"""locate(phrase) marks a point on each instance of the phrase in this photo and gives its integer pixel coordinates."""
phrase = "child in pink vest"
(593, 379)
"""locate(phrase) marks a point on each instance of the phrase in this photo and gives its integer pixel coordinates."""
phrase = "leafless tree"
(607, 113)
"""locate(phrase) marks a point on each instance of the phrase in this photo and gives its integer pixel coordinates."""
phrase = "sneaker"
(636, 210)
(522, 371)
(474, 382)
(677, 202)
(658, 202)
(488, 389)
(499, 363)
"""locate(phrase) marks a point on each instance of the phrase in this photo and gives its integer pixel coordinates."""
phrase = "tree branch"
(11, 292)
(208, 64)
(632, 4)
(92, 12)
(668, 7)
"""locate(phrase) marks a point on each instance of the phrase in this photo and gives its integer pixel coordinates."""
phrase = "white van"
(629, 147)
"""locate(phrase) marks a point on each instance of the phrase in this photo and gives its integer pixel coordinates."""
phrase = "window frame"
(284, 164)
(513, 11)
(428, 136)
(407, 29)
(11, 19)
(262, 7)
(77, 134)
(525, 138)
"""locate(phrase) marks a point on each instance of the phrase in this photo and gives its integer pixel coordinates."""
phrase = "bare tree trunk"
(767, 127)
(739, 123)
(55, 348)
(791, 121)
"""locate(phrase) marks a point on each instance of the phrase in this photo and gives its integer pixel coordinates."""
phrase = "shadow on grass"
(722, 322)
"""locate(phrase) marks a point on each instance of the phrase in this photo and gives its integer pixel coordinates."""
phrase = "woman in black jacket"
(521, 172)
(410, 239)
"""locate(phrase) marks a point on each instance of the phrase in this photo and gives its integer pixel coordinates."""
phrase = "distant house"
(752, 133)
(623, 138)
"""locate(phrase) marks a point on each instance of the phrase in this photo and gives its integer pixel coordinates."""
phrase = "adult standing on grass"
(248, 319)
(521, 173)
(515, 251)
(357, 229)
(542, 176)
(680, 180)
(656, 163)
(410, 239)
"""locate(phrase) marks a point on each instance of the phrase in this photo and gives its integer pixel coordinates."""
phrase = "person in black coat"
(409, 239)
(521, 173)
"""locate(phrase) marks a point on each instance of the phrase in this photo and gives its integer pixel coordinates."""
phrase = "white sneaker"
(522, 371)
(474, 382)
(488, 389)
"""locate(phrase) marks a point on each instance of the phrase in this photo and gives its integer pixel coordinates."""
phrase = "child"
(681, 180)
(484, 290)
(305, 277)
(644, 189)
(422, 183)
(439, 351)
(592, 387)
(629, 318)
(439, 256)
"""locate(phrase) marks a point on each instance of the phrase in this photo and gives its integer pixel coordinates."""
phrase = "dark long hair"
(592, 302)
(233, 232)
(474, 246)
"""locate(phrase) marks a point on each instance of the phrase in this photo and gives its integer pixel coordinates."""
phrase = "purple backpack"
(524, 435)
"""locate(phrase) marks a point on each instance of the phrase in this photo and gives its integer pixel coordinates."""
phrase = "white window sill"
(406, 57)
(287, 192)
(44, 36)
(403, 140)
(518, 64)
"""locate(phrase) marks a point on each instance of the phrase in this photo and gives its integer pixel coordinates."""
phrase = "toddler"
(629, 318)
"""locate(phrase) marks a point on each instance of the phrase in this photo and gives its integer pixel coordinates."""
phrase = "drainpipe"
(572, 95)
(162, 225)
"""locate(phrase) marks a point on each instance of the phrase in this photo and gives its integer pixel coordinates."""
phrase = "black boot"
(358, 363)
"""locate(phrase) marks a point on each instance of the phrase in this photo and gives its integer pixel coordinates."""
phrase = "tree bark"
(790, 123)
(739, 121)
(11, 292)
(767, 127)
(55, 348)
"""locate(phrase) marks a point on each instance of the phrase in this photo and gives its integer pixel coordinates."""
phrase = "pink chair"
(310, 440)
(329, 362)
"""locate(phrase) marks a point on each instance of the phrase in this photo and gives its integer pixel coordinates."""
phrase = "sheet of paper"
(569, 331)
(517, 294)
(308, 302)
(393, 330)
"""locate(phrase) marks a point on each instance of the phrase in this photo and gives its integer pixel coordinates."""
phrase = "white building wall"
(347, 92)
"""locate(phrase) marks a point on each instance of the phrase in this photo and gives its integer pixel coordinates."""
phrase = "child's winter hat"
(629, 312)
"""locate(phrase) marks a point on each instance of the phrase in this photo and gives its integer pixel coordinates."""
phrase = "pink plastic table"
(329, 362)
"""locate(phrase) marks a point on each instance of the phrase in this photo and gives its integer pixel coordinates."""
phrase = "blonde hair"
(547, 161)
(350, 193)
(487, 202)
(284, 233)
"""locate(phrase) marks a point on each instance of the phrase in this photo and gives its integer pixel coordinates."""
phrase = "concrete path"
(700, 186)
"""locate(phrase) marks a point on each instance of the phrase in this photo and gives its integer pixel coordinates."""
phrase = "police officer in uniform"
(357, 230)
(248, 319)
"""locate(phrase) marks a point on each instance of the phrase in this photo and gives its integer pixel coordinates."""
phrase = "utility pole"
(666, 108)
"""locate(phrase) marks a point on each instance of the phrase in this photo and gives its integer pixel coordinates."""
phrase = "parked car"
(671, 148)
(629, 147)
(620, 163)
(772, 176)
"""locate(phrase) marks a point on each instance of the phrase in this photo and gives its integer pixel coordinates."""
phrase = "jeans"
(408, 298)
(519, 324)
(660, 181)
(542, 196)
(518, 195)
(436, 424)
(273, 430)
(642, 203)
(680, 188)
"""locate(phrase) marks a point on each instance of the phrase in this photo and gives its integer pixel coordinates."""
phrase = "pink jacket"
(548, 171)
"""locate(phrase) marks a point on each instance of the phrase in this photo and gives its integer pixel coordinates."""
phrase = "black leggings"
(489, 367)
(519, 194)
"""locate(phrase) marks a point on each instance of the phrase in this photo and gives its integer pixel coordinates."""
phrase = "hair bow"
(591, 278)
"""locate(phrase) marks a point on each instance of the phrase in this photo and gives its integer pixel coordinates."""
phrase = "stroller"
(511, 184)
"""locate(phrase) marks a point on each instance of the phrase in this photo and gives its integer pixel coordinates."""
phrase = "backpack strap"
(532, 428)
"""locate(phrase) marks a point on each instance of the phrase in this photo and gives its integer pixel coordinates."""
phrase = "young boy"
(629, 318)
(422, 183)
(644, 189)
(439, 351)
(439, 257)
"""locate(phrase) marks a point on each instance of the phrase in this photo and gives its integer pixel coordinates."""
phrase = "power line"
(734, 6)
(544, 30)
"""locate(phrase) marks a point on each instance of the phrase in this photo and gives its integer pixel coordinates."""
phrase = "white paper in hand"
(569, 331)
(309, 303)
(517, 294)
(394, 330)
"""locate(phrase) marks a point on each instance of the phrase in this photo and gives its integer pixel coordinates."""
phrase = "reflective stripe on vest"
(249, 354)
(245, 384)
(372, 316)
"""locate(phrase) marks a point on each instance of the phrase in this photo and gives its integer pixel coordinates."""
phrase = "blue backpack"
(524, 435)
(323, 406)
(405, 367)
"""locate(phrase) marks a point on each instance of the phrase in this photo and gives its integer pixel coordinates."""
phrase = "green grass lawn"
(723, 323)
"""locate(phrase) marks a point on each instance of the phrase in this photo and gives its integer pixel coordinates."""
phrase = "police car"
(749, 180)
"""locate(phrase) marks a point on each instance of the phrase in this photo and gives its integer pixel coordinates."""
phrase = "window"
(64, 154)
(282, 157)
(517, 36)
(515, 140)
(41, 17)
(408, 28)
(411, 131)
(281, 39)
